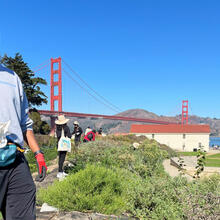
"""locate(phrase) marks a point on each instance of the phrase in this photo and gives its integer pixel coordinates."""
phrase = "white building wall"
(178, 142)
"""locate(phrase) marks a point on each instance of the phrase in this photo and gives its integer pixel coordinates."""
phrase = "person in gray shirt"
(17, 189)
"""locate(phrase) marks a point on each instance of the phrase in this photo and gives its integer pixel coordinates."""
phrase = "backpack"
(90, 136)
(7, 151)
(7, 155)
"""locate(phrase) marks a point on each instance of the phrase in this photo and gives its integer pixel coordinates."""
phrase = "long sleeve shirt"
(78, 131)
(65, 129)
(13, 105)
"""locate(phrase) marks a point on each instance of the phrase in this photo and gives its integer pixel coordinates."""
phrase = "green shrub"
(95, 188)
(146, 160)
(202, 198)
(173, 198)
(154, 198)
(152, 156)
(131, 138)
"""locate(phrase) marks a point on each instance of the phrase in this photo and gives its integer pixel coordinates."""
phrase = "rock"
(46, 208)
(70, 165)
(72, 215)
(189, 161)
(136, 145)
(98, 216)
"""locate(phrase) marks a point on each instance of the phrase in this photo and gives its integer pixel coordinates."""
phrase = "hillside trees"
(39, 127)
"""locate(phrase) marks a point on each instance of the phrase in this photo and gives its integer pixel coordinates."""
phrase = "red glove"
(41, 165)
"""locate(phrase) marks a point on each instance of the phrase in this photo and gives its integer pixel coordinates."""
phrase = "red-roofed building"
(177, 136)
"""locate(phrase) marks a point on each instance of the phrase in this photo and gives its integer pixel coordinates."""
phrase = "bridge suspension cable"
(98, 100)
(43, 67)
(42, 64)
(100, 96)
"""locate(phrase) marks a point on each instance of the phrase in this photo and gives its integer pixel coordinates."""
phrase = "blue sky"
(148, 54)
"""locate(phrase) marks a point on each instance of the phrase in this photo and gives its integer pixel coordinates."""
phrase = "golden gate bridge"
(56, 82)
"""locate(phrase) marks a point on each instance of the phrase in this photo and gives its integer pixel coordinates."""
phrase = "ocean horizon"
(213, 141)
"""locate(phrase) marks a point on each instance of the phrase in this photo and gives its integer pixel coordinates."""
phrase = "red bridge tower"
(53, 84)
(185, 112)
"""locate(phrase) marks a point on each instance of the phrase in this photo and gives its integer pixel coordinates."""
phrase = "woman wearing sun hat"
(61, 125)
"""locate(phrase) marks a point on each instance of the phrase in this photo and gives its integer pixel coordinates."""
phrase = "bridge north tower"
(56, 81)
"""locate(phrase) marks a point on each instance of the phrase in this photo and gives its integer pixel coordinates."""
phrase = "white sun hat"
(61, 120)
(76, 123)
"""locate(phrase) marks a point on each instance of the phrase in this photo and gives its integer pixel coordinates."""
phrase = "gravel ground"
(173, 171)
(190, 162)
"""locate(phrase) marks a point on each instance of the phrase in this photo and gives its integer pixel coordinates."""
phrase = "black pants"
(62, 156)
(17, 191)
(77, 141)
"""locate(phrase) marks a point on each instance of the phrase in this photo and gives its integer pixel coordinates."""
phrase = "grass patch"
(214, 156)
(212, 162)
(187, 153)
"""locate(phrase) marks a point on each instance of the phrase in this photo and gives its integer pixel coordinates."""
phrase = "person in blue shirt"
(17, 189)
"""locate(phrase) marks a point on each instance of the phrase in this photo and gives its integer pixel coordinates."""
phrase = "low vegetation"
(111, 176)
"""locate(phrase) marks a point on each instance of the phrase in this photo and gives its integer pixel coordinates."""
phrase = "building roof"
(170, 128)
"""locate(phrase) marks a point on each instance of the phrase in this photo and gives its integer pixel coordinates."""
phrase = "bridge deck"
(95, 116)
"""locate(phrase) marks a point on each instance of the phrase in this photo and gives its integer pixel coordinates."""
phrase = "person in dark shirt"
(100, 131)
(77, 131)
(62, 129)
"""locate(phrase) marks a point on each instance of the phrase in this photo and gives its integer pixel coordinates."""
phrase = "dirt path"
(211, 152)
(51, 176)
(190, 164)
(173, 171)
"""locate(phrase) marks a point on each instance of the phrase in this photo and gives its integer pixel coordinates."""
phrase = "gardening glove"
(41, 166)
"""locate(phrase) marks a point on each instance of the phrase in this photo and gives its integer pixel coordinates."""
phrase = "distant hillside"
(112, 126)
(193, 119)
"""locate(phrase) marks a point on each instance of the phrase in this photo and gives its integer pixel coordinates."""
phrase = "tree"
(30, 83)
(39, 126)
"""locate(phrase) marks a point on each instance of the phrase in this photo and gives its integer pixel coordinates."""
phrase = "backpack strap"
(19, 148)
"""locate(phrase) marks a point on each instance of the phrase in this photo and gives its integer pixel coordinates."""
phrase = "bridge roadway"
(95, 116)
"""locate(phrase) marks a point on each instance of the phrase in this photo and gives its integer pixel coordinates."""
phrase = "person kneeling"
(90, 136)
